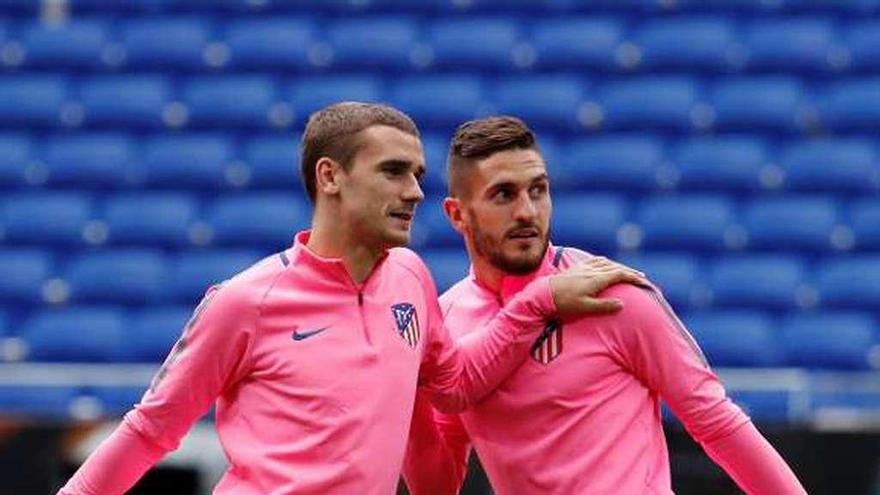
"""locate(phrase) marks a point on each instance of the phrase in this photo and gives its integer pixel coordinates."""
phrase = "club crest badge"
(407, 321)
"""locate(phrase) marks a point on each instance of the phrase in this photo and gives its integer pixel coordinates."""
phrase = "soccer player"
(582, 416)
(313, 355)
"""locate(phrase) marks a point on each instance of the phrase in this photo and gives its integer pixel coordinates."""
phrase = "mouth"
(524, 233)
(406, 216)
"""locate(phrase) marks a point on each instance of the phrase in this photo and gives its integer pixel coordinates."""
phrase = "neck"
(487, 274)
(331, 237)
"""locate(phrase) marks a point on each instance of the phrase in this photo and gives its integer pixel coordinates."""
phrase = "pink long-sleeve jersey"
(583, 414)
(313, 376)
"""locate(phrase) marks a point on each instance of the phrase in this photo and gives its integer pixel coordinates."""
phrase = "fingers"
(621, 276)
(603, 306)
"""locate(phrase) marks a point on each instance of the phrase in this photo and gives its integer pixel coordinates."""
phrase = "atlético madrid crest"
(549, 344)
(407, 322)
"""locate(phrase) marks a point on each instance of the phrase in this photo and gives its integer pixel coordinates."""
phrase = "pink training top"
(583, 414)
(314, 376)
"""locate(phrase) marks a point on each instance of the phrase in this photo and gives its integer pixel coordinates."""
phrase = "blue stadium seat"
(140, 6)
(831, 165)
(664, 102)
(25, 271)
(310, 93)
(439, 100)
(5, 321)
(74, 334)
(686, 42)
(864, 219)
(432, 227)
(863, 43)
(153, 331)
(34, 100)
(270, 43)
(89, 160)
(852, 105)
(166, 42)
(736, 338)
(385, 42)
(16, 153)
(626, 162)
(273, 161)
(567, 42)
(791, 223)
(29, 402)
(474, 42)
(436, 146)
(588, 221)
(129, 100)
(447, 266)
(268, 219)
(150, 219)
(803, 43)
(766, 406)
(676, 274)
(130, 276)
(543, 100)
(42, 218)
(829, 340)
(187, 161)
(230, 100)
(773, 103)
(193, 272)
(115, 401)
(688, 222)
(729, 163)
(75, 44)
(759, 281)
(850, 282)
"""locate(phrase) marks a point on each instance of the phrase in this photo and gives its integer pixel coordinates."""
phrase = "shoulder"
(408, 260)
(454, 294)
(566, 256)
(243, 294)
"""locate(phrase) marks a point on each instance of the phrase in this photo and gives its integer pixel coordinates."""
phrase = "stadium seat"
(842, 165)
(662, 102)
(432, 227)
(267, 220)
(128, 100)
(43, 402)
(45, 218)
(150, 219)
(16, 153)
(153, 331)
(863, 43)
(475, 43)
(744, 338)
(758, 281)
(230, 101)
(729, 163)
(129, 276)
(676, 274)
(166, 42)
(766, 406)
(829, 340)
(436, 147)
(34, 100)
(588, 221)
(791, 223)
(89, 160)
(852, 105)
(73, 44)
(25, 271)
(626, 162)
(850, 282)
(864, 220)
(310, 93)
(270, 43)
(385, 42)
(447, 266)
(686, 222)
(273, 162)
(439, 100)
(542, 100)
(193, 272)
(136, 6)
(801, 43)
(115, 401)
(74, 334)
(187, 161)
(567, 42)
(686, 43)
(5, 321)
(770, 103)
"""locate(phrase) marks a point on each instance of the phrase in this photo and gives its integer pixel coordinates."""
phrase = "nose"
(525, 209)
(413, 191)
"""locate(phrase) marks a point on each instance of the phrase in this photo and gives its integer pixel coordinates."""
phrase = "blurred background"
(727, 147)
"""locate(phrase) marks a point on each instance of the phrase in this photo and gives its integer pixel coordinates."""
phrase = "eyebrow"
(542, 177)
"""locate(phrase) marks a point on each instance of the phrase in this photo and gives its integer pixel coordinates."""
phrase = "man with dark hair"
(313, 355)
(583, 415)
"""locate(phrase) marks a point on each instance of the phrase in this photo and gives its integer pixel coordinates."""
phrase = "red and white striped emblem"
(549, 344)
(407, 322)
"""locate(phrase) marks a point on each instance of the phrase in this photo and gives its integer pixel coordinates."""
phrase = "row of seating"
(730, 163)
(713, 43)
(143, 276)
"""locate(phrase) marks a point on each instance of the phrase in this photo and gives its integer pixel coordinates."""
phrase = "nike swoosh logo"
(304, 335)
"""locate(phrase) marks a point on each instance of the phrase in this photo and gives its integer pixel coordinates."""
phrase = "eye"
(538, 190)
(503, 194)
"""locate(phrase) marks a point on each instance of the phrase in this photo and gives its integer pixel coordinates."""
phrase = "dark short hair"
(332, 133)
(479, 139)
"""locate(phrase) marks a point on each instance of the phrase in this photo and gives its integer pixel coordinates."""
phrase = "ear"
(453, 209)
(327, 175)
